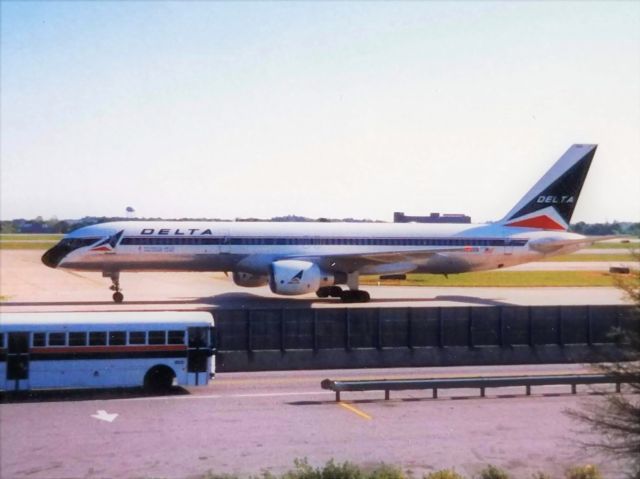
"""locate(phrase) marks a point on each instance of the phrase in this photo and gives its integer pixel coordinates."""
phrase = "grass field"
(29, 241)
(30, 237)
(41, 245)
(580, 258)
(632, 244)
(503, 279)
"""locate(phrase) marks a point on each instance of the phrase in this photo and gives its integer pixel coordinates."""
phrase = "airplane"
(303, 258)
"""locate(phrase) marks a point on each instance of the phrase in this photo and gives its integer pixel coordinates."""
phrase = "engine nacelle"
(249, 280)
(290, 277)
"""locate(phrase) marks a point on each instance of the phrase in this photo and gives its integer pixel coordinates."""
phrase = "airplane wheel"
(335, 291)
(363, 296)
(355, 296)
(118, 297)
(323, 292)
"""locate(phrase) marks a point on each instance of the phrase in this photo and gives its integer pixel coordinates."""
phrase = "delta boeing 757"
(302, 258)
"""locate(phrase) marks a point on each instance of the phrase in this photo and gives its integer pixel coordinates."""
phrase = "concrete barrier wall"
(273, 339)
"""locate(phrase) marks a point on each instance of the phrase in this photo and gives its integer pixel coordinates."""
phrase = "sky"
(318, 109)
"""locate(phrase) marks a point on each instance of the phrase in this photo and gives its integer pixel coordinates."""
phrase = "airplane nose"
(54, 255)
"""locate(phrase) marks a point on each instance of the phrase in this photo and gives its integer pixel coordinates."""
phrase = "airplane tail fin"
(550, 203)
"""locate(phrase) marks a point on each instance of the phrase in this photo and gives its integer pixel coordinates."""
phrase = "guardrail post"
(618, 387)
(435, 393)
(386, 394)
(574, 388)
(482, 392)
(528, 389)
(337, 396)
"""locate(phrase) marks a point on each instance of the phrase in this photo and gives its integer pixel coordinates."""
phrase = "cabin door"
(18, 362)
(508, 247)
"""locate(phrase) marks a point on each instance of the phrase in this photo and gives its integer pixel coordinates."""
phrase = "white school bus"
(106, 350)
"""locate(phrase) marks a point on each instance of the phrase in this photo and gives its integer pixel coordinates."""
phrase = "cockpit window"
(75, 243)
(54, 255)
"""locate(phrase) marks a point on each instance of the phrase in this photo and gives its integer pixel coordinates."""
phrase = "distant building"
(400, 217)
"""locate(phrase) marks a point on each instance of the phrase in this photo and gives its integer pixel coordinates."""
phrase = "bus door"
(18, 362)
(198, 354)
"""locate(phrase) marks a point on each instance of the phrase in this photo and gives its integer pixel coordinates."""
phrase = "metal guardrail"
(388, 385)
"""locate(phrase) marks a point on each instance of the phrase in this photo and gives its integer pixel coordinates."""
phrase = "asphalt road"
(251, 422)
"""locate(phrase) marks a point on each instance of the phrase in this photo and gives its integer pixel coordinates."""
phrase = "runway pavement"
(251, 422)
(27, 285)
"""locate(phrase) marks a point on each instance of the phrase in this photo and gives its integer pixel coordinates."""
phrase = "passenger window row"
(326, 241)
(111, 338)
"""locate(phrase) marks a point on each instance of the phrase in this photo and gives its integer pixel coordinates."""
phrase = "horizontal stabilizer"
(550, 245)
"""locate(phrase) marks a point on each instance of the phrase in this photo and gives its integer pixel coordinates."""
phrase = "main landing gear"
(118, 297)
(351, 295)
(347, 296)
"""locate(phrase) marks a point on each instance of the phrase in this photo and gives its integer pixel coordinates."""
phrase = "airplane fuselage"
(252, 247)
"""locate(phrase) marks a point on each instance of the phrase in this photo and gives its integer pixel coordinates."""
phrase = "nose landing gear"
(118, 297)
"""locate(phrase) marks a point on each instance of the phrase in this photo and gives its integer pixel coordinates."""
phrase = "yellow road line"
(355, 410)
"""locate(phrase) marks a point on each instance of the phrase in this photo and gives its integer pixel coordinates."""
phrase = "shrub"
(493, 472)
(331, 470)
(583, 472)
(443, 474)
(386, 471)
(540, 475)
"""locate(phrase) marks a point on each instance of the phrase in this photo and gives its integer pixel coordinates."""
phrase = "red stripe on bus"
(108, 349)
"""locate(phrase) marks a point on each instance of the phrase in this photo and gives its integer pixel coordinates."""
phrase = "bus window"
(57, 339)
(18, 343)
(39, 340)
(117, 338)
(157, 337)
(176, 337)
(137, 337)
(97, 338)
(78, 339)
(198, 337)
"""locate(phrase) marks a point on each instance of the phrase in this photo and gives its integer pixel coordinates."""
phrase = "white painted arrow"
(104, 416)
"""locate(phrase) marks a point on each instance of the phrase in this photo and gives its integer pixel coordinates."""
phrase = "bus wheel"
(159, 378)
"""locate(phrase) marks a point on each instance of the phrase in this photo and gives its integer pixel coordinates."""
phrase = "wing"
(356, 261)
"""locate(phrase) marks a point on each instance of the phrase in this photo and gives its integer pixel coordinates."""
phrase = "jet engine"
(249, 280)
(290, 277)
